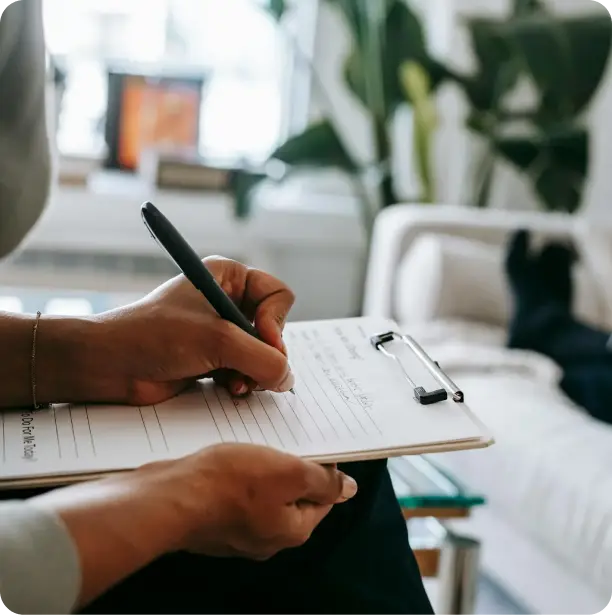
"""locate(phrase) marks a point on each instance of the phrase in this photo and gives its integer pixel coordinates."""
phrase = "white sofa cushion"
(549, 471)
(595, 241)
(453, 277)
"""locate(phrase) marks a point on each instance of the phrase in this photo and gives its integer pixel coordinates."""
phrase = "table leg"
(458, 575)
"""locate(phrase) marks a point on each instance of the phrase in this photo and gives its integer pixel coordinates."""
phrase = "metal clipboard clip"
(420, 393)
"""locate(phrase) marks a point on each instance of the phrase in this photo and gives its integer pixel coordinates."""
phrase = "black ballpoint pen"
(193, 268)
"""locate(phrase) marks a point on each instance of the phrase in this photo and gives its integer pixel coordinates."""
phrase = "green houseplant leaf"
(406, 41)
(417, 87)
(354, 12)
(277, 8)
(317, 146)
(498, 67)
(402, 39)
(527, 7)
(556, 163)
(566, 57)
(590, 40)
(241, 185)
(365, 66)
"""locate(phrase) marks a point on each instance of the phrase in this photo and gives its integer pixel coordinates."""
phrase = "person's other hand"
(151, 350)
(229, 500)
(246, 500)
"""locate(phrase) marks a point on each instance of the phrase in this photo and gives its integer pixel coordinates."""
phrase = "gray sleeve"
(25, 164)
(39, 565)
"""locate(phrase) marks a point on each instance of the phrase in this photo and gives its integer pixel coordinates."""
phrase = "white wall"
(314, 249)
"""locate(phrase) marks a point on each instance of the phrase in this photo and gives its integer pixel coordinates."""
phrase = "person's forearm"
(72, 357)
(118, 526)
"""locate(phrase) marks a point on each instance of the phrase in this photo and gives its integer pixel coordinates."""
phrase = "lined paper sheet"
(350, 400)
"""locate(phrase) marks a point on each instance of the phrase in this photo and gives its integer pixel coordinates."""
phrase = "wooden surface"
(428, 561)
(437, 513)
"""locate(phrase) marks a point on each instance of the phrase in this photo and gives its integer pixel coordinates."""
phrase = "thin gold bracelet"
(33, 361)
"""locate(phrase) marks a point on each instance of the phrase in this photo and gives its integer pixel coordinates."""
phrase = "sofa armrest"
(397, 227)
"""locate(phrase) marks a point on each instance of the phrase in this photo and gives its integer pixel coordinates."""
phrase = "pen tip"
(292, 391)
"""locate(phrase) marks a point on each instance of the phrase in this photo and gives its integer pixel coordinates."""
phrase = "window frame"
(298, 95)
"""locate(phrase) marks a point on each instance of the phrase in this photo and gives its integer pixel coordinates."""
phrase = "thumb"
(239, 351)
(321, 488)
(326, 485)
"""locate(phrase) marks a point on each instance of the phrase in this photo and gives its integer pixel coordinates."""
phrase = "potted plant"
(563, 58)
(388, 66)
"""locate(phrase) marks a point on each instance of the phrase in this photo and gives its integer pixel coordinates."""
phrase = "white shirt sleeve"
(25, 159)
(39, 563)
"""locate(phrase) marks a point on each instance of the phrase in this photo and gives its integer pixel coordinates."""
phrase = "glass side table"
(429, 497)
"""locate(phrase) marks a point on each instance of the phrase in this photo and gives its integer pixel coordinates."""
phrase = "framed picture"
(148, 112)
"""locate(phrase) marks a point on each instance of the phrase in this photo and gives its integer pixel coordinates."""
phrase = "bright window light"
(11, 304)
(250, 63)
(69, 307)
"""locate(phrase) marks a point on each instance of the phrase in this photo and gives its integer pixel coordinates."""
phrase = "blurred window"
(255, 89)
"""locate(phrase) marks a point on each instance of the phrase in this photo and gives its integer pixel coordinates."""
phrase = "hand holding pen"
(266, 296)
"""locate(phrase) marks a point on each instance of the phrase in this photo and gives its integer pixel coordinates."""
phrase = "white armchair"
(546, 530)
(397, 228)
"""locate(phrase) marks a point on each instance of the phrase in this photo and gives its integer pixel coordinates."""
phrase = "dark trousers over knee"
(543, 321)
(584, 354)
(357, 561)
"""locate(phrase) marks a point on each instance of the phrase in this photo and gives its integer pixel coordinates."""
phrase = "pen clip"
(421, 395)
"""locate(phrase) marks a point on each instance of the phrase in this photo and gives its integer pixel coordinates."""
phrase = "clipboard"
(353, 402)
(421, 394)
